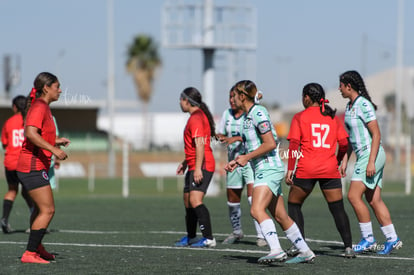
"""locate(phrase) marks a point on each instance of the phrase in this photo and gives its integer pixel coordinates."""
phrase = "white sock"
(389, 233)
(294, 235)
(366, 231)
(235, 216)
(259, 233)
(270, 234)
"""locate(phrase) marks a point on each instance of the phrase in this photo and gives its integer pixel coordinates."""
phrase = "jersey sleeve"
(35, 116)
(367, 111)
(196, 125)
(222, 126)
(262, 121)
(294, 131)
(4, 138)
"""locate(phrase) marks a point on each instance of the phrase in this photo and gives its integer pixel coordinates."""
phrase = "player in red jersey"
(317, 131)
(39, 145)
(12, 136)
(201, 165)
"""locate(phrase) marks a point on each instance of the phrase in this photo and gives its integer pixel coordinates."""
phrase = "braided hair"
(195, 99)
(354, 79)
(317, 94)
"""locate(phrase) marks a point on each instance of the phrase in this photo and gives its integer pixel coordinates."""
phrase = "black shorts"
(11, 177)
(189, 184)
(309, 184)
(33, 179)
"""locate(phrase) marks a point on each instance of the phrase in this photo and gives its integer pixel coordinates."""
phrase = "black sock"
(295, 212)
(341, 220)
(191, 222)
(7, 207)
(204, 221)
(35, 238)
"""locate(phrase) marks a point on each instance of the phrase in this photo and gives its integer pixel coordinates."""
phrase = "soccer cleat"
(260, 242)
(184, 241)
(33, 258)
(364, 246)
(390, 246)
(5, 226)
(232, 238)
(44, 254)
(292, 251)
(303, 257)
(204, 242)
(349, 253)
(275, 257)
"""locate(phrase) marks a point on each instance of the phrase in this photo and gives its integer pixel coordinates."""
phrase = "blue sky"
(298, 41)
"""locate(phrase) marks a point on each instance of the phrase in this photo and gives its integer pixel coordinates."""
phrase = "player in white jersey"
(365, 138)
(229, 132)
(259, 138)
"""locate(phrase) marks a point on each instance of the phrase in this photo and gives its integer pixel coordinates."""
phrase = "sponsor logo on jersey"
(264, 127)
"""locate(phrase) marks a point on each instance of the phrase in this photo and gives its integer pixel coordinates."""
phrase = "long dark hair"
(317, 94)
(354, 79)
(246, 87)
(195, 99)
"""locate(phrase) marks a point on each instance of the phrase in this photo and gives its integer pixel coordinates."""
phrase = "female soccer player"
(317, 131)
(12, 136)
(229, 133)
(200, 162)
(260, 137)
(365, 138)
(39, 144)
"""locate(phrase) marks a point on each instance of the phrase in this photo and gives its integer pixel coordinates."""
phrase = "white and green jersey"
(256, 123)
(230, 126)
(357, 117)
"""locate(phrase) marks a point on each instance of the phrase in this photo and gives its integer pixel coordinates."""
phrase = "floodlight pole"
(208, 52)
(111, 89)
(398, 80)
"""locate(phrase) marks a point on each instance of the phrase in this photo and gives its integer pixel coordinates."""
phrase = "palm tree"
(143, 62)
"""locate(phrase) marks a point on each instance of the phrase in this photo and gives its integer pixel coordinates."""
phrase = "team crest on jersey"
(45, 175)
(247, 124)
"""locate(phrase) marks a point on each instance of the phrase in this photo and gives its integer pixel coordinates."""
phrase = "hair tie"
(323, 101)
(33, 94)
(257, 98)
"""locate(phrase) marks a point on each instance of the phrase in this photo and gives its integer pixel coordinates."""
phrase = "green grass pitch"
(103, 233)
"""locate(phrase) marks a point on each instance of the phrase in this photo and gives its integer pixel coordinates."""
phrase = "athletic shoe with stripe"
(273, 257)
(303, 257)
(349, 253)
(5, 226)
(390, 246)
(32, 258)
(204, 242)
(364, 246)
(185, 241)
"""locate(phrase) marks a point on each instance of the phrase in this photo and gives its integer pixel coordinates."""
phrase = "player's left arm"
(373, 128)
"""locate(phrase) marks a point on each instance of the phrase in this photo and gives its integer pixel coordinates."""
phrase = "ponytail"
(317, 94)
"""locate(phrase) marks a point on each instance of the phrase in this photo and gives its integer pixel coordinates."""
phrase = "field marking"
(182, 248)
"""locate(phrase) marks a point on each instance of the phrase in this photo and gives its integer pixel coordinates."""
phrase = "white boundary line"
(182, 248)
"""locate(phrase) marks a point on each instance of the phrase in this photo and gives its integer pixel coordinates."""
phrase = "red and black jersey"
(318, 136)
(12, 136)
(198, 126)
(33, 158)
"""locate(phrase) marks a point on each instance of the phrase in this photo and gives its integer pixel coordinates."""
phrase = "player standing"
(365, 138)
(317, 131)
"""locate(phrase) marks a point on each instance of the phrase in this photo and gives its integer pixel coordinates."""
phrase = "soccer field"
(103, 233)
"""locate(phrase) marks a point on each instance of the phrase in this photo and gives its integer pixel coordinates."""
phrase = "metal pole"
(208, 52)
(111, 90)
(398, 80)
